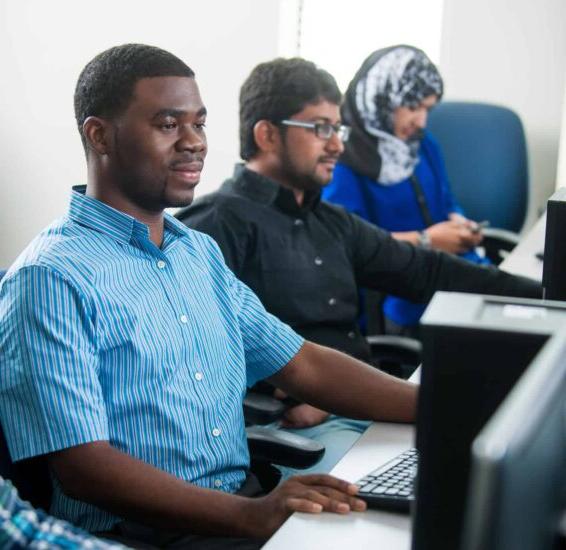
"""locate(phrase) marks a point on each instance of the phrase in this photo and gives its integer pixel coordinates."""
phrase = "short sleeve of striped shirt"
(269, 344)
(49, 365)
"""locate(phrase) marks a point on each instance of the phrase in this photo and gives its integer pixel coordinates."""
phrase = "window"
(339, 35)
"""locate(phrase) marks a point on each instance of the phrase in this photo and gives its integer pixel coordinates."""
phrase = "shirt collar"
(262, 189)
(118, 225)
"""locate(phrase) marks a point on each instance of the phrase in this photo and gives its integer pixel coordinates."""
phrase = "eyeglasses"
(323, 130)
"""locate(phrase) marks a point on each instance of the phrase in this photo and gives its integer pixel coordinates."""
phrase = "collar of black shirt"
(262, 189)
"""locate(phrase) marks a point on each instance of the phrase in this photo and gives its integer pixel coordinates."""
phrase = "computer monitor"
(554, 266)
(517, 491)
(474, 350)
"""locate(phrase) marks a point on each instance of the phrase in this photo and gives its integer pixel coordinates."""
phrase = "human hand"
(453, 236)
(474, 227)
(303, 416)
(311, 494)
(279, 394)
(459, 218)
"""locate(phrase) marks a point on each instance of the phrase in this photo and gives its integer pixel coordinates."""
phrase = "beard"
(301, 179)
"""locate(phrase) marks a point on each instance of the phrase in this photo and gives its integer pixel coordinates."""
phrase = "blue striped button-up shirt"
(105, 336)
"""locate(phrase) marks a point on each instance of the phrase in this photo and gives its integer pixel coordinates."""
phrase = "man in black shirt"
(304, 258)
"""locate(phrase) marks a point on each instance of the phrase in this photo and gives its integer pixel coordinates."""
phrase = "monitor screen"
(517, 490)
(475, 348)
(554, 266)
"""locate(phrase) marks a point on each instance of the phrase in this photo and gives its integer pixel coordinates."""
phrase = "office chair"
(270, 447)
(485, 151)
(396, 355)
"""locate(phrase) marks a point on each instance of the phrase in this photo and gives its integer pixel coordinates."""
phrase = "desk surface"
(523, 260)
(382, 441)
(371, 529)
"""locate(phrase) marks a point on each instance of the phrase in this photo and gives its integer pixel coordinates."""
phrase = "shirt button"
(351, 335)
(216, 432)
(298, 222)
(332, 302)
(184, 319)
(161, 264)
(218, 483)
(318, 261)
(198, 376)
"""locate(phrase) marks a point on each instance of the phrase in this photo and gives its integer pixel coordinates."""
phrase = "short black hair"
(106, 85)
(279, 89)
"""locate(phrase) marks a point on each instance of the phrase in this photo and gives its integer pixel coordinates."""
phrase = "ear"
(267, 136)
(98, 134)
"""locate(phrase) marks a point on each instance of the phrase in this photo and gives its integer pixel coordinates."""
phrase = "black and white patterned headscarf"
(399, 76)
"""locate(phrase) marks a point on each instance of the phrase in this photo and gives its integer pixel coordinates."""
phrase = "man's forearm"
(101, 475)
(339, 383)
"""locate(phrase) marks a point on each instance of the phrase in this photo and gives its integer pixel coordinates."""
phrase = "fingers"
(455, 236)
(326, 480)
(315, 493)
(303, 416)
(293, 418)
(458, 218)
(477, 238)
(469, 238)
(295, 504)
(279, 394)
(334, 488)
(335, 501)
(315, 500)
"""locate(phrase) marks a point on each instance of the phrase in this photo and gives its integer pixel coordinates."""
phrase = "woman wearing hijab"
(391, 172)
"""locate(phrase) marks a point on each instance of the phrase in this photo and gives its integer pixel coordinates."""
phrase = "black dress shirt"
(306, 263)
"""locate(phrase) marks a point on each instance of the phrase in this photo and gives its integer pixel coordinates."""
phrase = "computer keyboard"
(390, 487)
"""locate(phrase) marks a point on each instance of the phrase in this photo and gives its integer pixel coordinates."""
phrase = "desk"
(372, 529)
(523, 260)
(382, 441)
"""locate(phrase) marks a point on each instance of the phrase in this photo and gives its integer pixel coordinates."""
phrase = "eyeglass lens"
(324, 130)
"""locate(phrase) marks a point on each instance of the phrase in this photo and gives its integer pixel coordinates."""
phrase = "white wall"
(504, 51)
(512, 52)
(365, 26)
(43, 47)
(561, 171)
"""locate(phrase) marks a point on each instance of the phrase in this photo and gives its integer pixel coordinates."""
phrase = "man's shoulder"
(56, 246)
(336, 212)
(349, 224)
(64, 249)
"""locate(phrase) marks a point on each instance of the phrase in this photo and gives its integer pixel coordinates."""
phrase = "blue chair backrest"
(485, 151)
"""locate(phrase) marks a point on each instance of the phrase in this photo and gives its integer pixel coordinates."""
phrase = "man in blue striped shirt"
(127, 344)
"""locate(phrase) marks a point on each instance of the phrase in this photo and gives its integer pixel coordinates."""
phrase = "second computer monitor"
(475, 348)
(517, 491)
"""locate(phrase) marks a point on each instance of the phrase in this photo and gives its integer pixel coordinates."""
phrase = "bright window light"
(339, 35)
